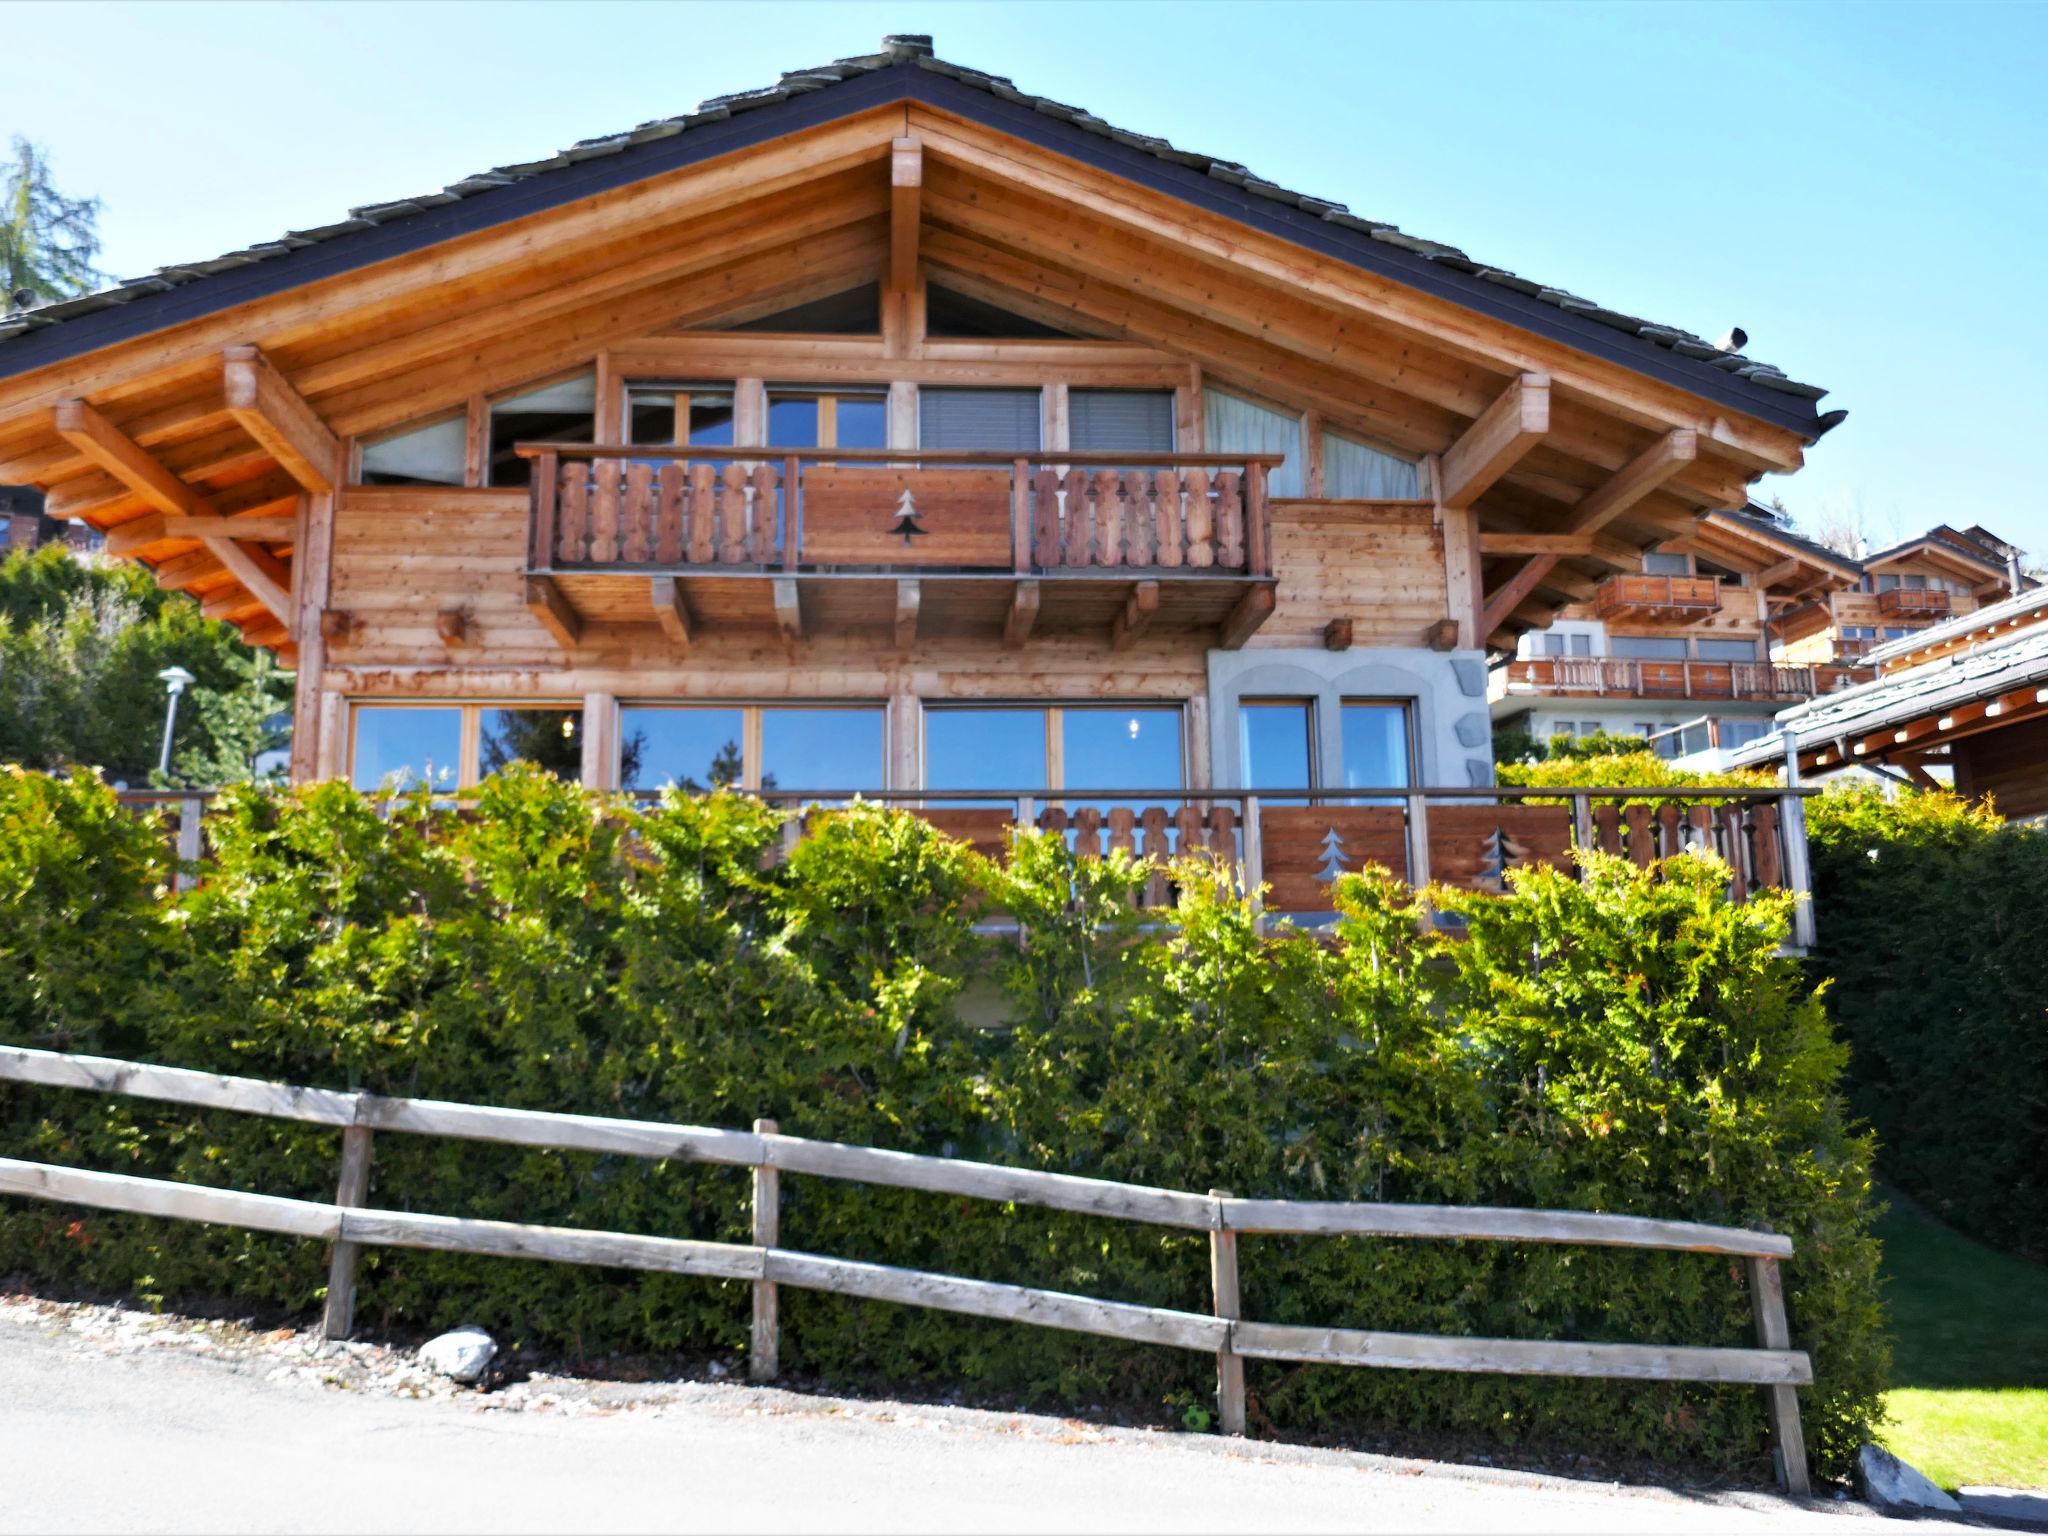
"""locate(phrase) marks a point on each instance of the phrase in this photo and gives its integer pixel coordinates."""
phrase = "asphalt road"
(93, 1439)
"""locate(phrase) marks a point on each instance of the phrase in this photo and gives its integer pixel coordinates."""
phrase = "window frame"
(1055, 712)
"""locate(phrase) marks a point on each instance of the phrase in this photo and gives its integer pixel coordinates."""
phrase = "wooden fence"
(349, 1225)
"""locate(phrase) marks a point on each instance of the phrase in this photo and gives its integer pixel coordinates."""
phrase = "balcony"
(1659, 599)
(1906, 603)
(929, 544)
(1618, 677)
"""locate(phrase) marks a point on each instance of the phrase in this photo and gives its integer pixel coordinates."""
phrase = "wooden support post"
(1516, 422)
(1223, 1281)
(1767, 1301)
(1136, 616)
(1792, 830)
(352, 1189)
(1582, 821)
(191, 810)
(909, 596)
(763, 1362)
(1023, 614)
(1518, 586)
(1252, 847)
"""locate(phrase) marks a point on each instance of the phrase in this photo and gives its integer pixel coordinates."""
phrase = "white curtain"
(1351, 470)
(1234, 425)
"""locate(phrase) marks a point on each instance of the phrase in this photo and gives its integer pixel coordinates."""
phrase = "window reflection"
(985, 749)
(398, 747)
(548, 737)
(693, 749)
(1375, 744)
(821, 749)
(1276, 744)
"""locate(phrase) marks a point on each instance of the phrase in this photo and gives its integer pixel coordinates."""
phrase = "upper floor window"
(1356, 471)
(814, 418)
(1657, 563)
(1648, 647)
(436, 453)
(1726, 650)
(800, 747)
(680, 415)
(979, 420)
(1108, 420)
(1236, 425)
(564, 411)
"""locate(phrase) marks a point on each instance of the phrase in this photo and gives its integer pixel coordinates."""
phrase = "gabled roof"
(1777, 529)
(1978, 545)
(905, 69)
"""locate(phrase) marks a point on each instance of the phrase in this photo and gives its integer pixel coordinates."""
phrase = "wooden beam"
(1508, 429)
(1136, 617)
(261, 572)
(1503, 601)
(545, 602)
(1536, 544)
(908, 596)
(789, 613)
(1771, 575)
(277, 416)
(1252, 610)
(1023, 614)
(906, 186)
(1649, 469)
(666, 593)
(84, 428)
(136, 534)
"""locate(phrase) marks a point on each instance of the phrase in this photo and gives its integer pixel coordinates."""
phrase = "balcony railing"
(1671, 599)
(1296, 842)
(1623, 677)
(1908, 603)
(648, 508)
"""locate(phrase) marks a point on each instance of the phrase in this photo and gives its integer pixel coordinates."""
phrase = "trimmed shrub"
(1933, 921)
(1632, 1044)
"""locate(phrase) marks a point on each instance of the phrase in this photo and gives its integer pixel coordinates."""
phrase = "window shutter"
(1113, 420)
(979, 420)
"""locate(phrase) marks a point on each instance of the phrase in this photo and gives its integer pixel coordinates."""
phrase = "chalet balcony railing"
(1674, 599)
(1907, 603)
(1624, 677)
(1297, 842)
(599, 508)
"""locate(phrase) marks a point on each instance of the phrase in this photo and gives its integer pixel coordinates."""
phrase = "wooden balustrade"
(1625, 677)
(1189, 514)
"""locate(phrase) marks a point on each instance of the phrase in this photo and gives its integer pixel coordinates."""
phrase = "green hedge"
(1933, 921)
(1630, 1045)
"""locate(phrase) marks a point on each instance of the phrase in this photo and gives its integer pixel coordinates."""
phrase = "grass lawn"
(1970, 1373)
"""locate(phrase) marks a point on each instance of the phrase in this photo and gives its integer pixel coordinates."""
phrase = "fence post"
(1223, 1281)
(1792, 833)
(351, 1190)
(1582, 823)
(1251, 847)
(191, 812)
(763, 1356)
(1781, 1403)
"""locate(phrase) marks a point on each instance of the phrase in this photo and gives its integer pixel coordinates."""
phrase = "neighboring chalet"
(1969, 696)
(894, 429)
(1921, 581)
(1693, 634)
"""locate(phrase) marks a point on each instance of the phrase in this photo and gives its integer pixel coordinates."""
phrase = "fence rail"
(349, 1226)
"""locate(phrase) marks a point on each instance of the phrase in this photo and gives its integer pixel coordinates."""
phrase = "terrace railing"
(349, 1225)
(1295, 843)
(1188, 515)
(1626, 677)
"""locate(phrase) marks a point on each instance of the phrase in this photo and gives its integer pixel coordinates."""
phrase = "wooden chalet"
(1692, 637)
(894, 430)
(1943, 573)
(1965, 701)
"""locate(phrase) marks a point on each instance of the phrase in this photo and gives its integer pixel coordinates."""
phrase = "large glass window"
(1741, 732)
(1277, 741)
(550, 737)
(564, 412)
(1120, 748)
(1657, 564)
(753, 746)
(1041, 747)
(809, 418)
(399, 746)
(1357, 471)
(1236, 425)
(434, 454)
(979, 420)
(1374, 733)
(986, 749)
(680, 415)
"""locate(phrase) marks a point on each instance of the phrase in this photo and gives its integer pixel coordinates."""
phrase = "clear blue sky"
(1864, 189)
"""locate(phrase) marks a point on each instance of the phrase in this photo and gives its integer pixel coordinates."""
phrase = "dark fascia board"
(900, 82)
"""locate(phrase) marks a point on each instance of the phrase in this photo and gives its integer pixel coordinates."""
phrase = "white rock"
(1896, 1489)
(463, 1355)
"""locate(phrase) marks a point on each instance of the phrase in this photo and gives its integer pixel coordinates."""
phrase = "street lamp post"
(174, 680)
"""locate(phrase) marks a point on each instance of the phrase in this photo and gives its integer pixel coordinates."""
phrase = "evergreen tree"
(48, 242)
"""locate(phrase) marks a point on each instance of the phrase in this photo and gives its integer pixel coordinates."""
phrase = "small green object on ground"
(1970, 1366)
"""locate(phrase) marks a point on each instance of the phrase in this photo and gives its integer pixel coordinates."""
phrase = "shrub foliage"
(1931, 920)
(1629, 1044)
